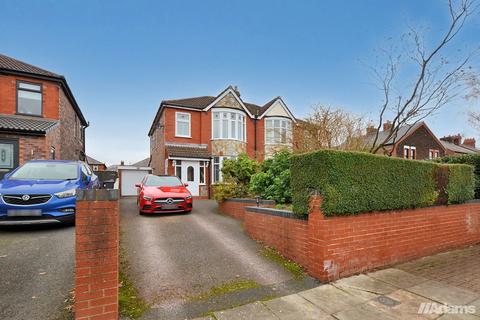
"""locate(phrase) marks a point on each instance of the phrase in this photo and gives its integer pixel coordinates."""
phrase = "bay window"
(278, 131)
(228, 125)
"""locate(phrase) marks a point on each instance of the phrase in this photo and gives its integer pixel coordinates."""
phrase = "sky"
(122, 58)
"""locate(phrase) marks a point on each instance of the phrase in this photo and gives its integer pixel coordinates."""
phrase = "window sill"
(29, 115)
(178, 136)
(228, 139)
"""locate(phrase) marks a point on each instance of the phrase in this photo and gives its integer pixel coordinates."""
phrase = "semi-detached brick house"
(39, 117)
(192, 137)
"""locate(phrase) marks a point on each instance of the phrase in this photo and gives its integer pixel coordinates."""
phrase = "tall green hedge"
(471, 159)
(460, 185)
(353, 182)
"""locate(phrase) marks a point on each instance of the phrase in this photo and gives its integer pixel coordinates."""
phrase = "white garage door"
(128, 180)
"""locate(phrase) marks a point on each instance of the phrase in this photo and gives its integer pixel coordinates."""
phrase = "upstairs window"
(29, 98)
(278, 131)
(228, 125)
(182, 124)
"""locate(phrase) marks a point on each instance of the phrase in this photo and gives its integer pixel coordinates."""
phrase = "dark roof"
(26, 124)
(90, 160)
(195, 102)
(142, 163)
(14, 66)
(402, 131)
(459, 148)
(17, 65)
(186, 151)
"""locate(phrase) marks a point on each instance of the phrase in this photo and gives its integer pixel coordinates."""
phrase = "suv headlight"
(66, 194)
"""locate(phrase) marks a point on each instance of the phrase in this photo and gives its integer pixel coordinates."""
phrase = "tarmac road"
(36, 271)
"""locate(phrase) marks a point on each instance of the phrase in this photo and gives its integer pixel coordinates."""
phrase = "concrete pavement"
(176, 259)
(36, 271)
(386, 294)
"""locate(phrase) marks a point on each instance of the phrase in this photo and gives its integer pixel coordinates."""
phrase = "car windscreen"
(156, 181)
(46, 171)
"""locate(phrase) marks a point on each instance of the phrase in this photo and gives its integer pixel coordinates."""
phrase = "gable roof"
(91, 160)
(13, 66)
(142, 163)
(206, 102)
(11, 123)
(459, 148)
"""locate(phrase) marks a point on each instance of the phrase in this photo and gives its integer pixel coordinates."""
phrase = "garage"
(129, 176)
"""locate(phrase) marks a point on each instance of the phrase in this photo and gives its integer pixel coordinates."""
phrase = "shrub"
(460, 185)
(273, 180)
(352, 182)
(471, 159)
(236, 176)
(222, 191)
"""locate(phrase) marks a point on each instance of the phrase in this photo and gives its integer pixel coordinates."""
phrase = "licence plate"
(24, 213)
(169, 206)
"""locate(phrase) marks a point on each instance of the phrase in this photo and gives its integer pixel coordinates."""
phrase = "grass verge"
(231, 286)
(130, 303)
(294, 268)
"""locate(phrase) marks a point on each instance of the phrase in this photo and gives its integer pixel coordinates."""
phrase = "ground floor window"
(178, 168)
(217, 168)
(203, 169)
(432, 154)
(409, 152)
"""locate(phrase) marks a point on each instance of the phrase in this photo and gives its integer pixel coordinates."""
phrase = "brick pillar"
(318, 267)
(97, 256)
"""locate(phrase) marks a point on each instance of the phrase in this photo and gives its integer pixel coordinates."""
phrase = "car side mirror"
(185, 184)
(137, 185)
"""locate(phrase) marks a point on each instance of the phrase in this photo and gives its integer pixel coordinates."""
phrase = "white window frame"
(203, 168)
(184, 121)
(288, 129)
(220, 167)
(177, 164)
(95, 167)
(229, 136)
(408, 152)
(433, 153)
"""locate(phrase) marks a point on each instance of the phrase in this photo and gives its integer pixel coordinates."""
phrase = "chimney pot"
(387, 125)
(371, 129)
(122, 163)
(469, 142)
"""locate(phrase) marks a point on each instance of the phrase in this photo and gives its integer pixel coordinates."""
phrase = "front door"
(191, 175)
(8, 156)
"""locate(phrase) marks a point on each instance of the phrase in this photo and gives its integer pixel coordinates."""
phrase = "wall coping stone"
(97, 195)
(250, 200)
(473, 201)
(277, 212)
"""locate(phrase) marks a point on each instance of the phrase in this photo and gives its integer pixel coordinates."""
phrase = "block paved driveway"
(175, 258)
(36, 271)
(445, 279)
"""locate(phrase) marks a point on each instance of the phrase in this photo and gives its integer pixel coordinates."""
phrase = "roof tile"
(24, 124)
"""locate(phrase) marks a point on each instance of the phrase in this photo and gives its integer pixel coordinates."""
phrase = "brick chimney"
(387, 125)
(122, 163)
(371, 129)
(469, 142)
(456, 139)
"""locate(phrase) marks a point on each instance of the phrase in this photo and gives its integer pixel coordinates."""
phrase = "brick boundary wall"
(96, 255)
(279, 229)
(234, 207)
(333, 247)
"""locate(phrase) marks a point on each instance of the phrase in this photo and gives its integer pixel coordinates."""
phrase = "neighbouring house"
(455, 146)
(192, 137)
(39, 116)
(412, 142)
(95, 165)
(129, 175)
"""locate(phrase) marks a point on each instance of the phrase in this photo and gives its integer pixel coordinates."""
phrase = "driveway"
(176, 260)
(36, 272)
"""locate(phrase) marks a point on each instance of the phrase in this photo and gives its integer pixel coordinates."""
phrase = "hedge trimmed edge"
(354, 182)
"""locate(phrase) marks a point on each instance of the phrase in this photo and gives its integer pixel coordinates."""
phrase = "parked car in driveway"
(43, 192)
(163, 194)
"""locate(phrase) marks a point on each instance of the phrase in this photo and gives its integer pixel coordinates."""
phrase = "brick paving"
(460, 268)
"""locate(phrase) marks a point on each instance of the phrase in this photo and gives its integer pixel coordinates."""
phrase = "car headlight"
(147, 198)
(66, 193)
(188, 197)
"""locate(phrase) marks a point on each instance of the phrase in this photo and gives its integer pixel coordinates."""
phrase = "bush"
(471, 159)
(236, 176)
(352, 182)
(460, 185)
(222, 191)
(273, 180)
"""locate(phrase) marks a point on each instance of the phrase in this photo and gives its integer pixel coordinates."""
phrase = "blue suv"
(43, 192)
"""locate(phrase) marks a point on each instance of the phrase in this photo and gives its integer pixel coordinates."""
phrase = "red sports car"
(157, 194)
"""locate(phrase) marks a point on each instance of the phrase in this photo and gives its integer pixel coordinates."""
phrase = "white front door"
(191, 175)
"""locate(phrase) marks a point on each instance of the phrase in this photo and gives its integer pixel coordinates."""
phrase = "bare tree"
(329, 128)
(436, 81)
(474, 118)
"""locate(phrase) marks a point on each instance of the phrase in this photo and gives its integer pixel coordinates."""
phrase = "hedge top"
(354, 182)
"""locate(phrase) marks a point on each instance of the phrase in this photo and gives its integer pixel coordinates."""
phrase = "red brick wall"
(333, 247)
(235, 209)
(8, 96)
(341, 246)
(289, 236)
(97, 260)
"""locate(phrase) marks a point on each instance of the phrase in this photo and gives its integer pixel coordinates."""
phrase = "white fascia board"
(230, 90)
(284, 106)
